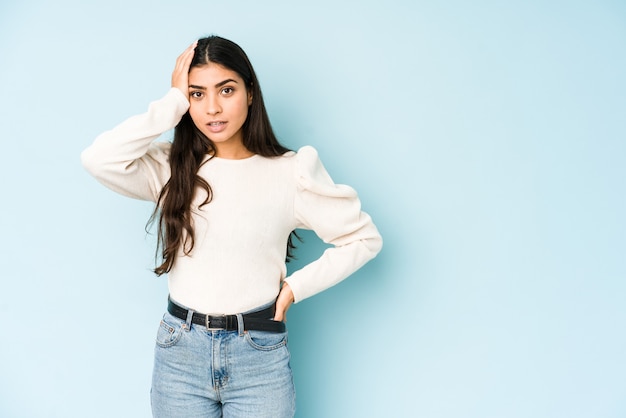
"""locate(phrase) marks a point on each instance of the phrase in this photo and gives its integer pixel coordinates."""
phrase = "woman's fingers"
(180, 75)
(283, 302)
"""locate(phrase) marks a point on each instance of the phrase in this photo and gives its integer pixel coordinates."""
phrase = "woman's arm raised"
(126, 159)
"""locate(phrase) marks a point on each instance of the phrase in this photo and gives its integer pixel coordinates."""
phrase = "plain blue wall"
(486, 139)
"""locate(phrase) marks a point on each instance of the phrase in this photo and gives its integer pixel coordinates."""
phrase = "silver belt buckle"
(207, 322)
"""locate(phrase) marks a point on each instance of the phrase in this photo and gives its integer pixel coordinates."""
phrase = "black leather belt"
(258, 321)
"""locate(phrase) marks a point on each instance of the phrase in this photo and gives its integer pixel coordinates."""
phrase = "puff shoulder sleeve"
(127, 160)
(334, 212)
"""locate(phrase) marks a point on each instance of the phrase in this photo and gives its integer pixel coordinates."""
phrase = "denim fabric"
(216, 373)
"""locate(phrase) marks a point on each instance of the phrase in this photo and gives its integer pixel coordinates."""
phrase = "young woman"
(228, 198)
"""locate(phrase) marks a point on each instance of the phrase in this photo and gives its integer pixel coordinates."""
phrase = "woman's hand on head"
(283, 302)
(180, 75)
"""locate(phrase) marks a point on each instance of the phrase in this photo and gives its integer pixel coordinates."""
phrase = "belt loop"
(188, 321)
(240, 326)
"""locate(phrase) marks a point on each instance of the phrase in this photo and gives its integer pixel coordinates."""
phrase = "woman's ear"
(249, 97)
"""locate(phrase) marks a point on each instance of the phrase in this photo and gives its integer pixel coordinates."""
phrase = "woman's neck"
(232, 152)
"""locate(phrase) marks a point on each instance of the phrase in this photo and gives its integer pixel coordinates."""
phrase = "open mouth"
(216, 127)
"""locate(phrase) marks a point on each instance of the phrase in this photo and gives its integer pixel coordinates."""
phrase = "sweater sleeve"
(127, 160)
(334, 212)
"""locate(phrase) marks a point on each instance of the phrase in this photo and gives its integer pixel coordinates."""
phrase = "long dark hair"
(190, 147)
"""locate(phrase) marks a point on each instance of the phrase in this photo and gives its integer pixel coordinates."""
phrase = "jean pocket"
(169, 332)
(266, 341)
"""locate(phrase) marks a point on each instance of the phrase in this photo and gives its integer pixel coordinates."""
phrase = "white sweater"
(238, 261)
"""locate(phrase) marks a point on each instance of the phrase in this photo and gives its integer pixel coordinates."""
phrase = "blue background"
(485, 138)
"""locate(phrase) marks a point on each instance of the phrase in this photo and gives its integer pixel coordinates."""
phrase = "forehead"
(212, 74)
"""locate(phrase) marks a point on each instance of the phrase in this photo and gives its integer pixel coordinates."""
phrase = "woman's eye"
(227, 90)
(196, 94)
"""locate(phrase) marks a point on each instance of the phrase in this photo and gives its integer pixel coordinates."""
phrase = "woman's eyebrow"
(220, 84)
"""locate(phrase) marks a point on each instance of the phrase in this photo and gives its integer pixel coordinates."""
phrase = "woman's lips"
(216, 127)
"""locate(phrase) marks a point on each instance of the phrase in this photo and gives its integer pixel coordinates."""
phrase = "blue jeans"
(216, 373)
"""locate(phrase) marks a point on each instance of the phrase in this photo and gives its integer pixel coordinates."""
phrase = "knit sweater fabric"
(238, 261)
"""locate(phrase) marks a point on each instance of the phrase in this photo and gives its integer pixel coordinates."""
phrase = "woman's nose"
(213, 106)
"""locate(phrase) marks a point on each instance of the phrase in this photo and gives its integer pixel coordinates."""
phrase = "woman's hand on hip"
(180, 75)
(283, 302)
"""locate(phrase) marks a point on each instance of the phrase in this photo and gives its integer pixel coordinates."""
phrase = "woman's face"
(219, 104)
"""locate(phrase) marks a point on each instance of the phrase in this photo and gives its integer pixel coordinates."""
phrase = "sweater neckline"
(233, 160)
